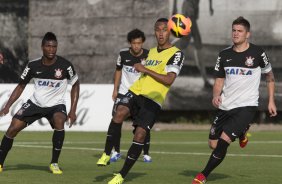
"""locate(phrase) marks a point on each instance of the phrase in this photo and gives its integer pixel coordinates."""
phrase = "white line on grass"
(155, 152)
(124, 142)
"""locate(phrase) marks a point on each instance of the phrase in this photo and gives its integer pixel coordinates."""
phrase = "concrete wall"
(91, 32)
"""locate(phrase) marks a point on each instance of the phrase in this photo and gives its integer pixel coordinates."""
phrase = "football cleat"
(199, 179)
(118, 179)
(55, 169)
(104, 160)
(147, 158)
(115, 156)
(1, 168)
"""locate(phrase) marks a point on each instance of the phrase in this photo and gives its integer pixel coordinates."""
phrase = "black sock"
(5, 147)
(58, 140)
(132, 155)
(113, 136)
(147, 143)
(216, 157)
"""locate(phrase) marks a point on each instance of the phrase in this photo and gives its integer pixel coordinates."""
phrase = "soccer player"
(51, 74)
(125, 76)
(235, 92)
(145, 97)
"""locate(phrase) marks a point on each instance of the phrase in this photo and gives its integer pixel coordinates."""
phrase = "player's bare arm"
(74, 99)
(167, 79)
(217, 89)
(14, 96)
(270, 81)
(1, 58)
(116, 84)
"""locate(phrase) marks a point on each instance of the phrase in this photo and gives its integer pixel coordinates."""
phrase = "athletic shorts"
(29, 112)
(143, 111)
(233, 122)
(117, 102)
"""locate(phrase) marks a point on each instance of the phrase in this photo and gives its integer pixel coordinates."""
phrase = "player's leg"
(146, 157)
(7, 141)
(114, 133)
(57, 118)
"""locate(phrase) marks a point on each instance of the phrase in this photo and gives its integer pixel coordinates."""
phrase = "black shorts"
(117, 102)
(29, 112)
(233, 122)
(143, 111)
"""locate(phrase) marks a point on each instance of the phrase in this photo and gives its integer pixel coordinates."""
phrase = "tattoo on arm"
(270, 77)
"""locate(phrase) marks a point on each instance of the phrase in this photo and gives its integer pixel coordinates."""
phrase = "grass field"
(177, 157)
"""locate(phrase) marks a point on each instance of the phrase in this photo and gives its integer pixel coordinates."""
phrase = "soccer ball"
(179, 25)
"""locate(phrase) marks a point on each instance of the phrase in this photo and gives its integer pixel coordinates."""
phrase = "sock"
(216, 157)
(5, 147)
(132, 155)
(147, 143)
(113, 137)
(58, 140)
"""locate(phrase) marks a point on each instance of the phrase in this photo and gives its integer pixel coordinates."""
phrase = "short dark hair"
(49, 36)
(242, 21)
(135, 33)
(162, 20)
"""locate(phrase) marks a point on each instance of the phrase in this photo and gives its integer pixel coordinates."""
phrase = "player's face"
(136, 45)
(162, 33)
(49, 49)
(239, 34)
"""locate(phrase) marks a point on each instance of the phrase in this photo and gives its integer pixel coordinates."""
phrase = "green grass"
(177, 157)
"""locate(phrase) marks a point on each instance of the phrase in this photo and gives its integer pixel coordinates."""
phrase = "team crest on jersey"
(143, 61)
(249, 61)
(58, 73)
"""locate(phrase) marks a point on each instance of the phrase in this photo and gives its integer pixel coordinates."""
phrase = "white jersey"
(242, 72)
(50, 81)
(125, 63)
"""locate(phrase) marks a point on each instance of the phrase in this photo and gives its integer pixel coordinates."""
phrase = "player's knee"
(140, 134)
(12, 132)
(121, 114)
(212, 144)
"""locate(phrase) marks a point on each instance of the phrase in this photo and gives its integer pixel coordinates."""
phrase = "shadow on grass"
(108, 177)
(26, 167)
(212, 176)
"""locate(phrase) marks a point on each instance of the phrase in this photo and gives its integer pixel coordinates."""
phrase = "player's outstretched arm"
(166, 79)
(270, 81)
(14, 96)
(74, 100)
(116, 84)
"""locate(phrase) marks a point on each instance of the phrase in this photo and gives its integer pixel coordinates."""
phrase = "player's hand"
(139, 68)
(1, 58)
(272, 109)
(114, 95)
(71, 119)
(216, 101)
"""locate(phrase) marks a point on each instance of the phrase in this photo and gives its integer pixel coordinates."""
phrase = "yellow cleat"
(1, 168)
(55, 169)
(118, 179)
(104, 160)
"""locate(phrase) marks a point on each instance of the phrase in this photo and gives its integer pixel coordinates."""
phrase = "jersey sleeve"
(26, 75)
(119, 63)
(219, 69)
(265, 63)
(175, 63)
(71, 74)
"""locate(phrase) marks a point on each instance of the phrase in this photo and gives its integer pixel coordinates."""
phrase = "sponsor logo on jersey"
(238, 71)
(49, 84)
(25, 72)
(58, 73)
(217, 64)
(130, 69)
(152, 62)
(70, 71)
(249, 61)
(265, 59)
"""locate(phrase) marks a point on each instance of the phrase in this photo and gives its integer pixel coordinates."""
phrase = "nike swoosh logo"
(38, 72)
(234, 135)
